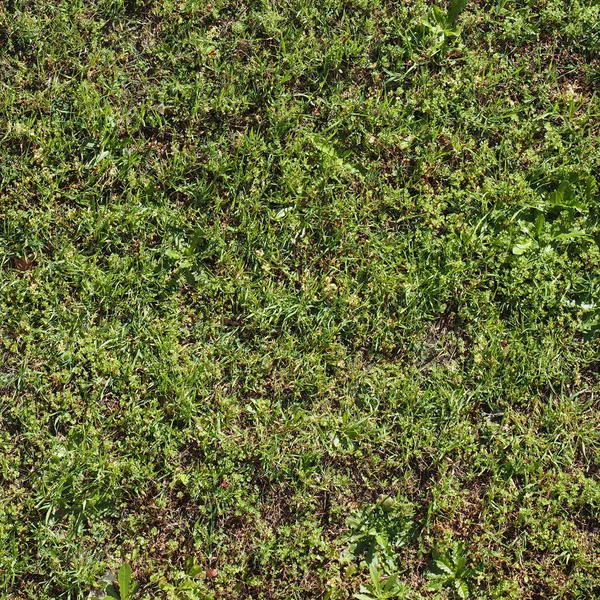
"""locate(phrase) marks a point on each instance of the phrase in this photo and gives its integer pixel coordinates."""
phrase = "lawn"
(299, 300)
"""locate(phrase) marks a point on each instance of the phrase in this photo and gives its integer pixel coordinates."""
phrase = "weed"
(449, 569)
(377, 533)
(126, 586)
(381, 587)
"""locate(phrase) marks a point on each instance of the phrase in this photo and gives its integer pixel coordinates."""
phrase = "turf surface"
(299, 299)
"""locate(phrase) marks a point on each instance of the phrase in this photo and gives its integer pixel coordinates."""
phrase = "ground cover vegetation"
(299, 299)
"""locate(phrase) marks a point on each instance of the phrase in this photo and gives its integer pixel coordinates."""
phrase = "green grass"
(297, 296)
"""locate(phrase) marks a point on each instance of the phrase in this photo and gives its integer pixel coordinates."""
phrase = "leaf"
(283, 212)
(338, 157)
(195, 570)
(97, 159)
(436, 582)
(571, 235)
(564, 197)
(173, 254)
(459, 558)
(375, 575)
(566, 190)
(454, 9)
(539, 224)
(462, 589)
(125, 580)
(439, 16)
(443, 563)
(390, 582)
(590, 188)
(523, 247)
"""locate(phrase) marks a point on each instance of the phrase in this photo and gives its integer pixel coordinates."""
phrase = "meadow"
(299, 300)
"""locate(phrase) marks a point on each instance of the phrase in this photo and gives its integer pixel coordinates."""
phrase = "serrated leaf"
(435, 582)
(173, 254)
(462, 589)
(444, 567)
(442, 563)
(125, 580)
(338, 157)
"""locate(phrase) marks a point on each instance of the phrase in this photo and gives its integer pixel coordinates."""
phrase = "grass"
(299, 300)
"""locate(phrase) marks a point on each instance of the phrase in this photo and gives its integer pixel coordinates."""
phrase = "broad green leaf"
(338, 157)
(195, 570)
(462, 589)
(454, 9)
(390, 582)
(125, 580)
(571, 235)
(439, 16)
(173, 254)
(375, 575)
(523, 247)
(443, 563)
(539, 224)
